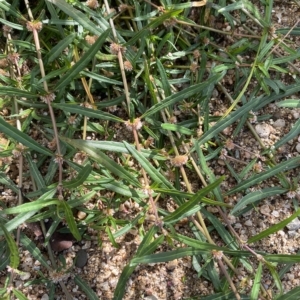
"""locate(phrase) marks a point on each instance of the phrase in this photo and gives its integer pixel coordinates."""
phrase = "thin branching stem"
(51, 112)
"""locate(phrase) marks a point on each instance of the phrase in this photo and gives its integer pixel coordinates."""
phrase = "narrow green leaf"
(19, 295)
(59, 48)
(17, 221)
(283, 258)
(11, 9)
(80, 17)
(100, 78)
(84, 286)
(38, 178)
(12, 91)
(222, 231)
(294, 132)
(177, 128)
(256, 284)
(184, 94)
(34, 250)
(128, 270)
(258, 195)
(89, 112)
(254, 104)
(14, 259)
(22, 138)
(275, 276)
(179, 212)
(120, 288)
(290, 103)
(4, 255)
(80, 179)
(282, 167)
(8, 182)
(12, 25)
(31, 206)
(81, 64)
(196, 243)
(274, 228)
(104, 160)
(291, 295)
(285, 59)
(79, 201)
(225, 296)
(150, 170)
(124, 190)
(164, 78)
(245, 4)
(179, 253)
(70, 220)
(154, 24)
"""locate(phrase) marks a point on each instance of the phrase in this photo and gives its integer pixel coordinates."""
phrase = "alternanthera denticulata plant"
(105, 104)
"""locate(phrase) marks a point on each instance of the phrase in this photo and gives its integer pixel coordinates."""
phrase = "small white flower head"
(179, 160)
(135, 124)
(217, 255)
(123, 7)
(194, 66)
(115, 48)
(291, 194)
(13, 57)
(91, 39)
(257, 168)
(48, 97)
(223, 154)
(18, 151)
(229, 144)
(128, 66)
(35, 25)
(58, 159)
(6, 30)
(93, 4)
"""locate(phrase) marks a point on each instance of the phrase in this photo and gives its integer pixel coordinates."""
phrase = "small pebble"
(294, 225)
(81, 215)
(171, 265)
(298, 147)
(81, 258)
(265, 210)
(263, 130)
(25, 276)
(87, 245)
(280, 123)
(45, 297)
(248, 223)
(152, 297)
(292, 233)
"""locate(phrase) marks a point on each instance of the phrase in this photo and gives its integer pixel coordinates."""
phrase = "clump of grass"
(158, 68)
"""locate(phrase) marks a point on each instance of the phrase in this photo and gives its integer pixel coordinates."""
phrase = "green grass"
(153, 65)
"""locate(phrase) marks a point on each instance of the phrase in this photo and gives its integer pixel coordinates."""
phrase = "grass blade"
(188, 92)
(85, 288)
(274, 228)
(258, 195)
(80, 179)
(184, 208)
(284, 166)
(70, 220)
(92, 113)
(78, 16)
(34, 250)
(82, 63)
(256, 284)
(14, 259)
(23, 138)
